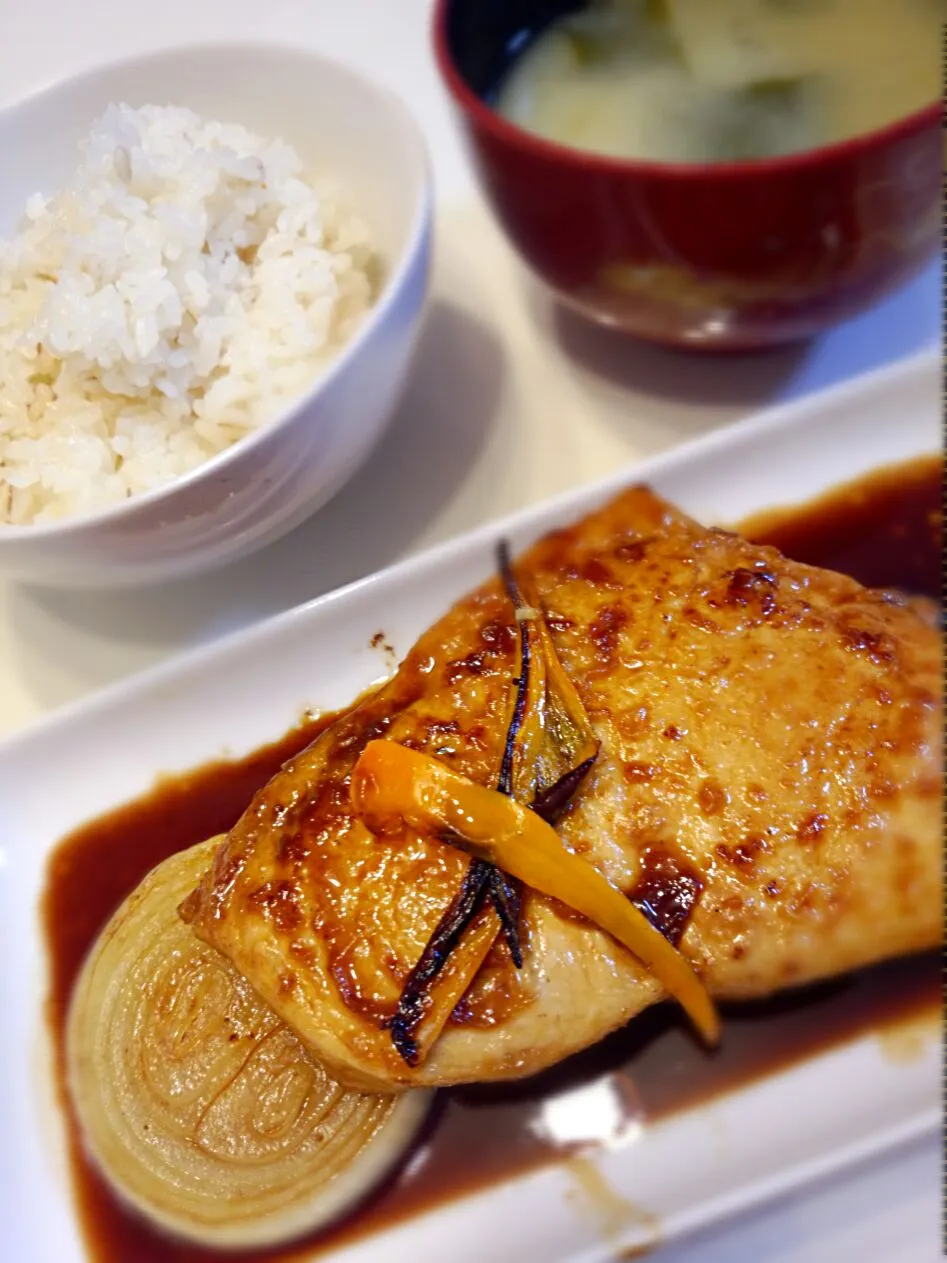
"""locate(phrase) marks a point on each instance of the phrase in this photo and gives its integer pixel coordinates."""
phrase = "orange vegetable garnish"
(549, 749)
(393, 786)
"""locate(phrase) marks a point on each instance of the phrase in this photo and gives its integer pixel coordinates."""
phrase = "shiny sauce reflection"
(886, 531)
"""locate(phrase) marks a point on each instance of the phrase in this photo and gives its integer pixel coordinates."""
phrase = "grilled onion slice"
(201, 1108)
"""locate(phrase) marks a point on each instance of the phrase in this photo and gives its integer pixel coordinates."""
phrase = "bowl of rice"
(213, 270)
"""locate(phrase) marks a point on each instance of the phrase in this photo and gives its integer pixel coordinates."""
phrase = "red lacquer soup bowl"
(719, 256)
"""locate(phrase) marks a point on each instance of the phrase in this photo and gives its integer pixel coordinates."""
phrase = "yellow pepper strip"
(392, 786)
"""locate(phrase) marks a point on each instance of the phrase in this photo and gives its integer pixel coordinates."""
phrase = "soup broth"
(725, 80)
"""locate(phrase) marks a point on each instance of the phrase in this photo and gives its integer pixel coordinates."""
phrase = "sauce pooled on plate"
(886, 531)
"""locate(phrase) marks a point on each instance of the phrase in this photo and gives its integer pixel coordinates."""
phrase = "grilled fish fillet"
(768, 785)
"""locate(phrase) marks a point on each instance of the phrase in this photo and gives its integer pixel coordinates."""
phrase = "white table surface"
(509, 402)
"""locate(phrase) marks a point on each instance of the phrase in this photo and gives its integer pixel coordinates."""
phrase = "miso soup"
(725, 80)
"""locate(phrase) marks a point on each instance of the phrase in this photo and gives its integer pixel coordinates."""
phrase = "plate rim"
(759, 423)
(142, 686)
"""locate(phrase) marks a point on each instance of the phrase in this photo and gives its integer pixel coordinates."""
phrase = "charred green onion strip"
(543, 692)
(393, 786)
(404, 1022)
(505, 893)
(549, 804)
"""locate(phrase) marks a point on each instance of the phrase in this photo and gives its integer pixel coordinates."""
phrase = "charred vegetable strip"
(529, 734)
(393, 786)
(505, 779)
(506, 899)
(568, 723)
(411, 1004)
(505, 894)
(550, 803)
(480, 878)
(547, 728)
(456, 977)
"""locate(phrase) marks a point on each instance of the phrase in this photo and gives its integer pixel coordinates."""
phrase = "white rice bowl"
(185, 286)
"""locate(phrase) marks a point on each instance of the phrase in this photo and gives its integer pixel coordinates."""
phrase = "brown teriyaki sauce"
(885, 530)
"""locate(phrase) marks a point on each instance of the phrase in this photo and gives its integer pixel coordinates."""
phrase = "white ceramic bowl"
(343, 125)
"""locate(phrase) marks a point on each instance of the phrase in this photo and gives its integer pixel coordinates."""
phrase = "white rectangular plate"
(833, 1109)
